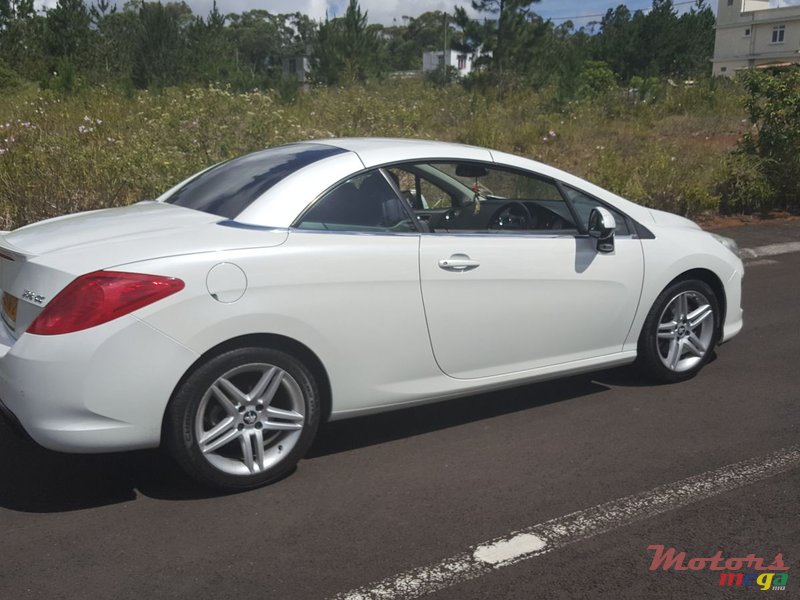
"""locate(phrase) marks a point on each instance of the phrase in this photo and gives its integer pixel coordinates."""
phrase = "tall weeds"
(105, 147)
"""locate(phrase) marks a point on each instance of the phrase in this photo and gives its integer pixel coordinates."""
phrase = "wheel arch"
(711, 279)
(267, 340)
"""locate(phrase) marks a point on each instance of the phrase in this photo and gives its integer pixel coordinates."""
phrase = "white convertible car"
(322, 280)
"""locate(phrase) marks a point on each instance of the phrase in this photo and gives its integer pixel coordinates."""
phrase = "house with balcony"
(755, 33)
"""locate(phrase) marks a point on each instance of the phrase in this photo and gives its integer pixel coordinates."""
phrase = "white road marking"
(761, 261)
(769, 250)
(545, 537)
(505, 550)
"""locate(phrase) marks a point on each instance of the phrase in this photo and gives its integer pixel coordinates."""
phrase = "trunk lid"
(71, 231)
(21, 301)
(39, 260)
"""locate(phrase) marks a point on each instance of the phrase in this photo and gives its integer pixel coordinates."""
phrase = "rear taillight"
(100, 297)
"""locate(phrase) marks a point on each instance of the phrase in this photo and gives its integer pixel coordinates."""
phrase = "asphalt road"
(378, 496)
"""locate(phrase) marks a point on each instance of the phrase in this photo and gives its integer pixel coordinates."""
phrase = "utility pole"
(444, 51)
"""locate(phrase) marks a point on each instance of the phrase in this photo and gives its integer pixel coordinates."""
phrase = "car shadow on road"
(33, 479)
(340, 436)
(36, 480)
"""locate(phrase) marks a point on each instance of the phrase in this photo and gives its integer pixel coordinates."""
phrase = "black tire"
(283, 417)
(652, 349)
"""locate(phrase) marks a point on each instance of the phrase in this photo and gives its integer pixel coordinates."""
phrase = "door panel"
(510, 303)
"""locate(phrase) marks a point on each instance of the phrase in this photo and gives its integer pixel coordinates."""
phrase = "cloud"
(379, 11)
(385, 11)
(390, 11)
(313, 8)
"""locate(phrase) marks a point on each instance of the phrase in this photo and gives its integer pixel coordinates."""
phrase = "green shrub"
(773, 148)
(647, 89)
(443, 76)
(63, 80)
(596, 78)
(745, 188)
(9, 79)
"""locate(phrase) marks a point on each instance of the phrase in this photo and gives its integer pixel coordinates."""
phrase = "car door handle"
(458, 263)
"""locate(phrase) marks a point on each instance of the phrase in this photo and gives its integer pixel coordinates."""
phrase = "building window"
(462, 62)
(441, 60)
(777, 34)
(730, 2)
(747, 32)
(723, 69)
(293, 65)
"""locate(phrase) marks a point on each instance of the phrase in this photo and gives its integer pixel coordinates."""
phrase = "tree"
(509, 33)
(427, 32)
(659, 43)
(347, 49)
(22, 37)
(119, 40)
(100, 10)
(658, 39)
(67, 27)
(101, 48)
(617, 42)
(260, 40)
(211, 55)
(560, 60)
(14, 10)
(160, 55)
(697, 39)
(476, 37)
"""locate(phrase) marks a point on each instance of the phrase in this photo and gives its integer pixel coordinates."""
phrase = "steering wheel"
(512, 216)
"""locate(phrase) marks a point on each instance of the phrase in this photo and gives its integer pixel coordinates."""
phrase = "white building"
(461, 61)
(750, 34)
(297, 67)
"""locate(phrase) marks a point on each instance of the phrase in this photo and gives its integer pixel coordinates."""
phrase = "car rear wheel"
(680, 332)
(244, 418)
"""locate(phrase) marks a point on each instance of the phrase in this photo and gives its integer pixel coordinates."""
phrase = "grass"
(102, 147)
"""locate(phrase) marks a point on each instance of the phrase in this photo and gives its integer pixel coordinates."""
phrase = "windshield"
(228, 188)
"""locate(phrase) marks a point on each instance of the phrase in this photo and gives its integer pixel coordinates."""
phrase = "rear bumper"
(104, 389)
(13, 422)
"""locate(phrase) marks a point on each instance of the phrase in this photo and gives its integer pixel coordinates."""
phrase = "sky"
(581, 12)
(390, 11)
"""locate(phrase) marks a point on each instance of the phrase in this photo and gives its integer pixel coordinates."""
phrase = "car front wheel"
(244, 418)
(680, 331)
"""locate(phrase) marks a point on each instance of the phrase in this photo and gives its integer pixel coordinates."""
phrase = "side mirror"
(601, 227)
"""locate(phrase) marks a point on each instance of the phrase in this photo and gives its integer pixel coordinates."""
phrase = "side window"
(498, 199)
(433, 196)
(501, 183)
(363, 203)
(418, 191)
(583, 205)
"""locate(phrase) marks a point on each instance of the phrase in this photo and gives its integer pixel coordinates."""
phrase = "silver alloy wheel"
(250, 418)
(685, 331)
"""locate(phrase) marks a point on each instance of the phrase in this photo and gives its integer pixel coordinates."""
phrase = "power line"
(604, 14)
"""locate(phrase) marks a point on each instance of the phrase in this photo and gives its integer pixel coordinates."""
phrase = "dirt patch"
(723, 221)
